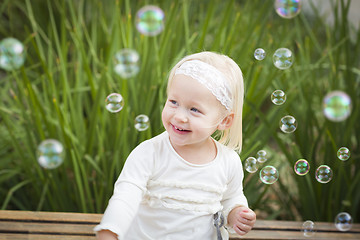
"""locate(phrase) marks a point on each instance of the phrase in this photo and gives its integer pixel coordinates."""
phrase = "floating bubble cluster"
(323, 174)
(269, 175)
(287, 8)
(337, 106)
(301, 167)
(259, 54)
(50, 154)
(114, 102)
(142, 122)
(288, 124)
(261, 156)
(251, 165)
(343, 221)
(126, 63)
(278, 97)
(150, 20)
(308, 228)
(283, 58)
(343, 153)
(12, 54)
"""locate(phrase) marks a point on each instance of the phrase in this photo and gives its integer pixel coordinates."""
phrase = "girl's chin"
(178, 139)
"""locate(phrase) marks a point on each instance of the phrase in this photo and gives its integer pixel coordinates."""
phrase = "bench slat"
(48, 228)
(277, 235)
(73, 226)
(42, 237)
(49, 216)
(296, 225)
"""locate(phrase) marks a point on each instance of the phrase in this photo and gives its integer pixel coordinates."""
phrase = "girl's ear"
(227, 121)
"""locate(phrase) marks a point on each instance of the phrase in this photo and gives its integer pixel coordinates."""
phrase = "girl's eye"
(173, 102)
(195, 110)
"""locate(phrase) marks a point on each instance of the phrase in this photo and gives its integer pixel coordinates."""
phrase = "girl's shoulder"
(152, 144)
(225, 151)
(156, 140)
(228, 157)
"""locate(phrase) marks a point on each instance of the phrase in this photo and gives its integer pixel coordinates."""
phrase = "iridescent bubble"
(126, 63)
(150, 20)
(251, 165)
(259, 54)
(323, 174)
(278, 97)
(343, 221)
(301, 167)
(142, 122)
(283, 58)
(12, 54)
(308, 228)
(288, 124)
(287, 8)
(114, 102)
(337, 106)
(261, 156)
(269, 175)
(343, 153)
(50, 154)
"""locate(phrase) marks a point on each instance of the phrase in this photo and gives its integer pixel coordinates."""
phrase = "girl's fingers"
(250, 215)
(238, 230)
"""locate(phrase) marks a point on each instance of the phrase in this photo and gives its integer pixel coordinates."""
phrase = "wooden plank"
(48, 228)
(47, 225)
(43, 237)
(55, 225)
(292, 235)
(293, 225)
(49, 216)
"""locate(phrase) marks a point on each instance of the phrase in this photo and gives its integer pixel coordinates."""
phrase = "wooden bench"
(74, 226)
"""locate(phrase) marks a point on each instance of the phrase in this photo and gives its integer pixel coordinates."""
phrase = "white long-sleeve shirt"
(159, 195)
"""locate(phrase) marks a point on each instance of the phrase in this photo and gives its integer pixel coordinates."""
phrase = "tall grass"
(60, 91)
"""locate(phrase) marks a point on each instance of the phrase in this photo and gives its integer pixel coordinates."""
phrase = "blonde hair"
(231, 137)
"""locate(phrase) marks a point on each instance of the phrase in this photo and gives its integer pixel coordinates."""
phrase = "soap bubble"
(343, 153)
(126, 63)
(259, 54)
(50, 154)
(337, 106)
(301, 167)
(269, 175)
(150, 20)
(323, 174)
(114, 102)
(278, 97)
(343, 221)
(308, 228)
(261, 156)
(287, 8)
(12, 54)
(283, 58)
(142, 122)
(288, 124)
(251, 165)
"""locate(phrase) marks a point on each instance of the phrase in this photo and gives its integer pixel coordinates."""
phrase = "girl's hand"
(106, 235)
(242, 219)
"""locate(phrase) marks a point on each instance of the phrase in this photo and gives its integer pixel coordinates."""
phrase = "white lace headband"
(210, 77)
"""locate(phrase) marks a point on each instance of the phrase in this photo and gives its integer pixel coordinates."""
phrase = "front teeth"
(178, 129)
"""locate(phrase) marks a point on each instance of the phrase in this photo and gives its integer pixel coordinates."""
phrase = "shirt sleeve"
(129, 190)
(234, 195)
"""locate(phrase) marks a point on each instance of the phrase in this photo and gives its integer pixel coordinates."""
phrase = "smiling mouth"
(180, 129)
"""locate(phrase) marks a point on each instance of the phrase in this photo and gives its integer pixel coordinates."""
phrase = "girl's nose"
(181, 116)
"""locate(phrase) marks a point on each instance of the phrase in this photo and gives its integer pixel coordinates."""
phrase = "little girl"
(174, 185)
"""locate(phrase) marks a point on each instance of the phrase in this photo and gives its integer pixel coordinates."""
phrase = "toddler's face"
(191, 113)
